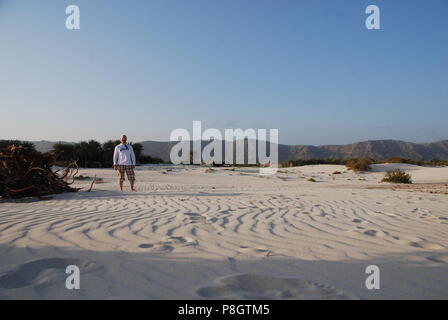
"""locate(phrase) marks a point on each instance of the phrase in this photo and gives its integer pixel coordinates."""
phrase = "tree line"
(92, 154)
(88, 154)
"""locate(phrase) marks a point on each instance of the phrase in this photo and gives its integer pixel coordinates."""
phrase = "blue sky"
(145, 67)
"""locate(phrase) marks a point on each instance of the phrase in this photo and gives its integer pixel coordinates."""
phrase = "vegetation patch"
(397, 176)
(25, 172)
(358, 165)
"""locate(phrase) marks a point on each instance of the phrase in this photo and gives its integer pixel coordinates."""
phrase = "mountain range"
(375, 149)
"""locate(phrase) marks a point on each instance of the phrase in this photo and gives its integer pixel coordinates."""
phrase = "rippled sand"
(223, 234)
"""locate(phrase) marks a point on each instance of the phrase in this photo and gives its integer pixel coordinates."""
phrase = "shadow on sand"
(39, 273)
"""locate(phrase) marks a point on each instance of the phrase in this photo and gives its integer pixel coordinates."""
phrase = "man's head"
(123, 139)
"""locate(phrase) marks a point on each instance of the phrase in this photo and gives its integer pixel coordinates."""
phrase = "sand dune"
(230, 234)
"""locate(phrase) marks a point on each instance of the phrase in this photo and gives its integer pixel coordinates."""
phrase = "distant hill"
(45, 146)
(377, 149)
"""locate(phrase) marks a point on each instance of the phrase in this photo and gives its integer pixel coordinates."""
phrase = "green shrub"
(147, 159)
(82, 178)
(397, 176)
(358, 165)
(29, 146)
(312, 180)
(437, 163)
(307, 162)
(401, 160)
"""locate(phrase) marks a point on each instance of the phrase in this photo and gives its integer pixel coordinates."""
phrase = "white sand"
(230, 234)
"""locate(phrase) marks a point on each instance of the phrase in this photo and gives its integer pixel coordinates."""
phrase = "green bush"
(147, 159)
(29, 146)
(351, 162)
(397, 176)
(358, 165)
(307, 162)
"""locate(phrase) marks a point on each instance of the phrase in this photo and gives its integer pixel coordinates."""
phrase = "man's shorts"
(129, 172)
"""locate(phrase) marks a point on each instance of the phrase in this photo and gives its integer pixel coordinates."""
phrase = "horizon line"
(168, 141)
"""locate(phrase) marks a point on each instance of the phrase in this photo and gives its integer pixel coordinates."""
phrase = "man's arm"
(115, 159)
(133, 160)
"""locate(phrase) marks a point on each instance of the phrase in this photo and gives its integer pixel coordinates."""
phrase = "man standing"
(124, 161)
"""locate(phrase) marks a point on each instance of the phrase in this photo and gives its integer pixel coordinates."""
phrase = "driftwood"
(26, 173)
(93, 182)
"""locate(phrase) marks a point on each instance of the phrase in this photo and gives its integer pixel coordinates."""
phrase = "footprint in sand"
(438, 259)
(195, 217)
(183, 241)
(259, 252)
(251, 286)
(170, 244)
(380, 233)
(146, 245)
(372, 233)
(159, 247)
(424, 244)
(26, 274)
(231, 260)
(323, 214)
(422, 213)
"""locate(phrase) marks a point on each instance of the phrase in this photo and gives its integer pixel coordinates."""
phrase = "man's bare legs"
(132, 185)
(132, 182)
(121, 180)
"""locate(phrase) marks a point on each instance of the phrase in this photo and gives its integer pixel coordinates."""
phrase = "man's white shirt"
(124, 155)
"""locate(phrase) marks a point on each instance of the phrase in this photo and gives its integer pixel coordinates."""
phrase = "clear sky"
(145, 67)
